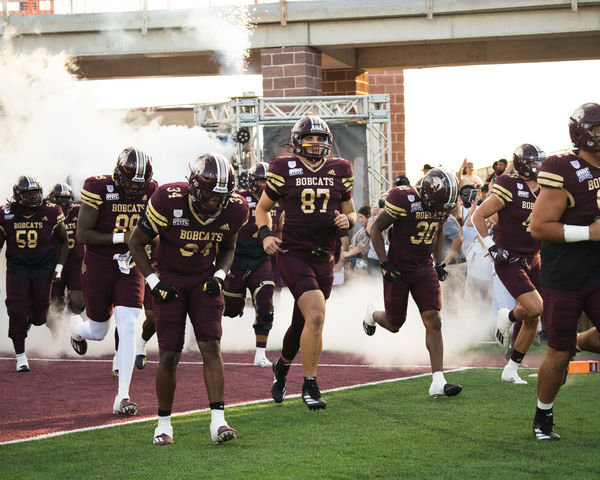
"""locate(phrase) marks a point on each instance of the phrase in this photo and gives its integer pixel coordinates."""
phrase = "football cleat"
(222, 434)
(312, 396)
(503, 325)
(543, 429)
(368, 323)
(22, 364)
(280, 371)
(163, 436)
(140, 361)
(78, 343)
(512, 377)
(261, 361)
(125, 407)
(449, 390)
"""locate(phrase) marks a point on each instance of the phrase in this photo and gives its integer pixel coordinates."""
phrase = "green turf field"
(388, 431)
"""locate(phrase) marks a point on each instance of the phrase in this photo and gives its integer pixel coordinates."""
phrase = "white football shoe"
(503, 325)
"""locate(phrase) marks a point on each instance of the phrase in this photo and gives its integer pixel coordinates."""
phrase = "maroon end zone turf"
(70, 394)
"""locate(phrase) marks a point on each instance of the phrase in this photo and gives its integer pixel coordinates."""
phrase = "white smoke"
(51, 128)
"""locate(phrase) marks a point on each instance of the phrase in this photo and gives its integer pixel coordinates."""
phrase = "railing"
(61, 7)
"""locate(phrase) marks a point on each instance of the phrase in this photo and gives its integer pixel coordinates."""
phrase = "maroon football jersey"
(30, 246)
(414, 230)
(116, 214)
(249, 230)
(188, 244)
(513, 230)
(571, 266)
(309, 198)
(75, 256)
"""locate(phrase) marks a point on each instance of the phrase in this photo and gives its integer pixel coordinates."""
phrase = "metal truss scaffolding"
(242, 118)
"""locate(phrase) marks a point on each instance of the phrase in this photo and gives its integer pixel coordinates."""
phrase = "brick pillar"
(392, 82)
(291, 72)
(345, 82)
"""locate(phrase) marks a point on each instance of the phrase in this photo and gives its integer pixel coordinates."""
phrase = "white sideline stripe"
(240, 404)
(337, 365)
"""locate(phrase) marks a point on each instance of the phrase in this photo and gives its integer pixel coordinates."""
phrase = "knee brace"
(263, 322)
(262, 296)
(234, 304)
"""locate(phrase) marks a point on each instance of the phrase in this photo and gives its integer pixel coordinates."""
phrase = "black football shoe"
(312, 396)
(543, 428)
(280, 371)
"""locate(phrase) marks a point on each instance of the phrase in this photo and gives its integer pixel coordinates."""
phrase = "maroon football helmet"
(257, 172)
(212, 181)
(311, 125)
(62, 195)
(527, 159)
(133, 173)
(581, 127)
(27, 192)
(438, 190)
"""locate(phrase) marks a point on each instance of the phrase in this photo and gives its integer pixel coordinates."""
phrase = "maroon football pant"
(104, 286)
(261, 286)
(519, 279)
(205, 312)
(562, 309)
(27, 302)
(302, 272)
(424, 287)
(69, 279)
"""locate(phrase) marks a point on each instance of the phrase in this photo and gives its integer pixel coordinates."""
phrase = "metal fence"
(62, 7)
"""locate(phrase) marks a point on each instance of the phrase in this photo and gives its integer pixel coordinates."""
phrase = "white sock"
(125, 318)
(511, 366)
(545, 406)
(438, 379)
(217, 417)
(21, 357)
(164, 421)
(261, 352)
(370, 319)
(141, 346)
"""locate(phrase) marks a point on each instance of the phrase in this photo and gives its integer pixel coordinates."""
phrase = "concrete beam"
(351, 34)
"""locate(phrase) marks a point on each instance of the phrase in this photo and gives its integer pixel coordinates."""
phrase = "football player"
(62, 195)
(515, 253)
(315, 193)
(251, 268)
(197, 223)
(111, 205)
(31, 229)
(566, 216)
(416, 217)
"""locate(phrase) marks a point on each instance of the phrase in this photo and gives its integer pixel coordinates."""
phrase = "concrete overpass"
(366, 35)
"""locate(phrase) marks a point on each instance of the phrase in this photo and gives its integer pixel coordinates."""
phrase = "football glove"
(164, 293)
(499, 254)
(442, 273)
(213, 286)
(389, 272)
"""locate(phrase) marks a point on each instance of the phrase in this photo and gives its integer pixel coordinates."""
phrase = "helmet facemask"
(211, 183)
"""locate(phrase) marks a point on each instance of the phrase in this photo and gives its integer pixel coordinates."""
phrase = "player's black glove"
(213, 286)
(389, 272)
(164, 293)
(440, 269)
(499, 254)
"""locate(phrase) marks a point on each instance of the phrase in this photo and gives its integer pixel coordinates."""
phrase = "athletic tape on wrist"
(58, 269)
(119, 237)
(576, 233)
(220, 274)
(488, 242)
(152, 280)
